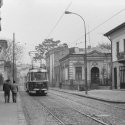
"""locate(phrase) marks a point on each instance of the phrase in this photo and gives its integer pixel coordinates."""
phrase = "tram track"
(54, 116)
(91, 118)
(32, 107)
(63, 110)
(111, 105)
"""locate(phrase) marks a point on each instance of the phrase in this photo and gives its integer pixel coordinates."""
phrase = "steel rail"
(47, 109)
(90, 106)
(89, 116)
(95, 100)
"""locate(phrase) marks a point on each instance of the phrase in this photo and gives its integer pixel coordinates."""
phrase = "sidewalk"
(112, 96)
(11, 113)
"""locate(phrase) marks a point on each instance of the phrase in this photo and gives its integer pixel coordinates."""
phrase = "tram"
(36, 81)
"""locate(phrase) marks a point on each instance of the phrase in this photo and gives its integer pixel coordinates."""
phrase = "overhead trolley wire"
(106, 21)
(101, 24)
(59, 19)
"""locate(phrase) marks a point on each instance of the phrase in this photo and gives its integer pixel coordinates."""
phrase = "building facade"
(117, 38)
(98, 69)
(1, 4)
(3, 45)
(3, 71)
(66, 67)
(53, 65)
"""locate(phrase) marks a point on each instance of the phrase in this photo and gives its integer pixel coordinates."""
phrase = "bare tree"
(46, 45)
(18, 51)
(105, 45)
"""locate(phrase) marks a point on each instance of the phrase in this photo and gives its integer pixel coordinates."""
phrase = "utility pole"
(13, 56)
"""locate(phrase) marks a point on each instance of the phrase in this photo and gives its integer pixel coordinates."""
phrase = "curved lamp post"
(85, 55)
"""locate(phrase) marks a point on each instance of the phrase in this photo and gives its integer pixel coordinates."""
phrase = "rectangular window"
(117, 48)
(124, 45)
(63, 74)
(78, 72)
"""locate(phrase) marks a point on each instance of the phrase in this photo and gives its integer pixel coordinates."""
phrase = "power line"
(89, 36)
(59, 19)
(101, 24)
(106, 20)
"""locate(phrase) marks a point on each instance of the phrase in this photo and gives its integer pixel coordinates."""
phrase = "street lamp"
(85, 55)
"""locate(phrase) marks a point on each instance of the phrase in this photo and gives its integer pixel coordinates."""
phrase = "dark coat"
(14, 88)
(6, 87)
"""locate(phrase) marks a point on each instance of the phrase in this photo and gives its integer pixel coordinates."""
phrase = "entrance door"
(115, 78)
(1, 79)
(122, 77)
(95, 75)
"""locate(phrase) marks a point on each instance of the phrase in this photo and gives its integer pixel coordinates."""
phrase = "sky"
(32, 21)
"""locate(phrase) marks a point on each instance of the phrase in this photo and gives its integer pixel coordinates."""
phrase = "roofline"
(69, 55)
(115, 29)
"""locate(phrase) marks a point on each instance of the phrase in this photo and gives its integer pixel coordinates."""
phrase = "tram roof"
(38, 70)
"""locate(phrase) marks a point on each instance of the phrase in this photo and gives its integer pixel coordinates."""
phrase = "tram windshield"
(38, 76)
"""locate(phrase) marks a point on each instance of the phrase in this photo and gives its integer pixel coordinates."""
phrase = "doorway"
(115, 78)
(95, 75)
(1, 79)
(122, 77)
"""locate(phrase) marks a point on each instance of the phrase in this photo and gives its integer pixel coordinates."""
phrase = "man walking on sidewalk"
(6, 89)
(14, 90)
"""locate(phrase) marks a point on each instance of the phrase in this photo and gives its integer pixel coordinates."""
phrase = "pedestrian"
(6, 89)
(14, 90)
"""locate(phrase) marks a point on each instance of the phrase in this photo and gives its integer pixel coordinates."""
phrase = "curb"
(100, 99)
(21, 117)
(95, 98)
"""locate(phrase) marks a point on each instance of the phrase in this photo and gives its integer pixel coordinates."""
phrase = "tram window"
(40, 76)
(28, 77)
(32, 76)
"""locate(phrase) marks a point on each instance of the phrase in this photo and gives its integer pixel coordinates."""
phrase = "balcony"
(121, 57)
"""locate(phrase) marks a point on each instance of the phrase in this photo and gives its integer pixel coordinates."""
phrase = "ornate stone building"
(66, 67)
(53, 65)
(98, 69)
